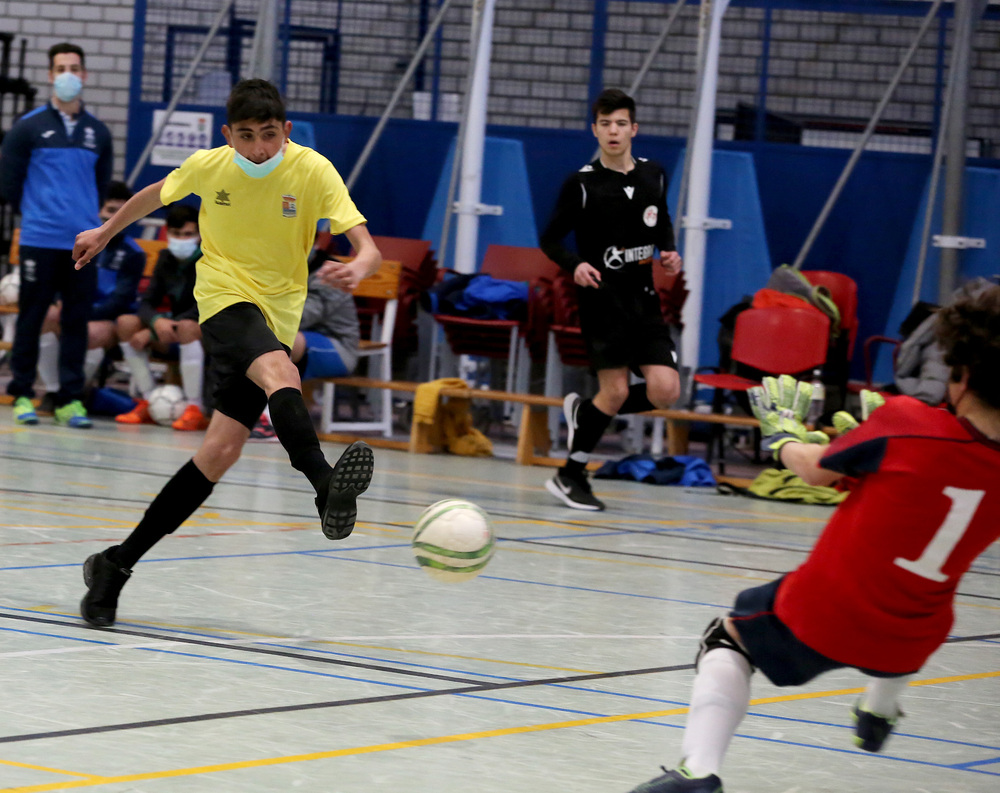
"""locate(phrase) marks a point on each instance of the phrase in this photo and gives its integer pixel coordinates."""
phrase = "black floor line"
(475, 689)
(977, 638)
(242, 648)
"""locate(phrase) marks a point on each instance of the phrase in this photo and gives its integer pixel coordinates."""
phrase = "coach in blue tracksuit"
(55, 164)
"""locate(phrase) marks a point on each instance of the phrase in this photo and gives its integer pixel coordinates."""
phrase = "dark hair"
(61, 49)
(610, 100)
(180, 215)
(254, 100)
(968, 329)
(118, 191)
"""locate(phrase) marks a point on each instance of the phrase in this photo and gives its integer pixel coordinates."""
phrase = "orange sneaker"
(137, 415)
(191, 420)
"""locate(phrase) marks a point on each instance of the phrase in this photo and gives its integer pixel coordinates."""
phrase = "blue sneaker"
(871, 730)
(24, 411)
(73, 414)
(681, 780)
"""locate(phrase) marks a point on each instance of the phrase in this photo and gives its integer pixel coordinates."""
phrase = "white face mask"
(258, 170)
(67, 86)
(182, 249)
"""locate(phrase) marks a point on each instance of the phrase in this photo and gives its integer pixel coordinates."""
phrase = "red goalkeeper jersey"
(876, 591)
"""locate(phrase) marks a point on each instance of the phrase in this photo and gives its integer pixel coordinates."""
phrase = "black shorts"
(625, 330)
(772, 646)
(233, 339)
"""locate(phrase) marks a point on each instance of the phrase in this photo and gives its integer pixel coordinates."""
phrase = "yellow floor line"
(48, 770)
(442, 739)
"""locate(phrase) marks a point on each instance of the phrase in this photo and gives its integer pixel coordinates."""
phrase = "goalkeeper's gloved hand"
(844, 422)
(780, 404)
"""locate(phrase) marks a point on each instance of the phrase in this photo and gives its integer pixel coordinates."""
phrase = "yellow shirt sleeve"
(336, 203)
(183, 180)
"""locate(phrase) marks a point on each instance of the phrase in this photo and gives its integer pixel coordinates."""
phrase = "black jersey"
(619, 219)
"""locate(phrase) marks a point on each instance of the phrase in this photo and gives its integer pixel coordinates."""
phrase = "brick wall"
(821, 64)
(104, 29)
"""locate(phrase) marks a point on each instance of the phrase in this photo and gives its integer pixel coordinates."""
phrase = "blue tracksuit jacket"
(57, 181)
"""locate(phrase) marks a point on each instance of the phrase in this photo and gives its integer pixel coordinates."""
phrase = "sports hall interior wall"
(822, 63)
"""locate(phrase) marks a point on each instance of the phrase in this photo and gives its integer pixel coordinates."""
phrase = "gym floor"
(252, 654)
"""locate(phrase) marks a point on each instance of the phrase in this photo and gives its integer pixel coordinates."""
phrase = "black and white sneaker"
(571, 406)
(573, 492)
(351, 476)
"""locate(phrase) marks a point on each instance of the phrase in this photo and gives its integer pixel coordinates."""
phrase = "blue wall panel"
(866, 236)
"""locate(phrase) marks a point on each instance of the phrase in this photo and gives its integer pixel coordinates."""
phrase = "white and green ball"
(453, 540)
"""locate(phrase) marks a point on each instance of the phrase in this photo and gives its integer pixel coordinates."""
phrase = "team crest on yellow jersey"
(288, 206)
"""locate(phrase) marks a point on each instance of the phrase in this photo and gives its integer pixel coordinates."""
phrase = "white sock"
(882, 695)
(192, 371)
(48, 361)
(138, 364)
(719, 701)
(92, 362)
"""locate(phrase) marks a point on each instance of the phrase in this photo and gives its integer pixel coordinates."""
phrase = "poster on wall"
(184, 134)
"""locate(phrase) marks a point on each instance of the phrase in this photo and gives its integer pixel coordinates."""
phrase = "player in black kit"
(617, 208)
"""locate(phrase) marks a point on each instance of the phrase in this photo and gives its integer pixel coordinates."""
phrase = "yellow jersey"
(256, 234)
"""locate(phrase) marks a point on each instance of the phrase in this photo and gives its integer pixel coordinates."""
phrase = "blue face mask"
(67, 86)
(259, 170)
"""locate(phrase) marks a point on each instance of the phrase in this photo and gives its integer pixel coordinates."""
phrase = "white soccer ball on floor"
(453, 540)
(10, 286)
(166, 404)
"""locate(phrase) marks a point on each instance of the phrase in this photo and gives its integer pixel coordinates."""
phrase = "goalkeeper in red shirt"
(876, 592)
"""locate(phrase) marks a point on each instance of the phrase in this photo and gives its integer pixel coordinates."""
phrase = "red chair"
(870, 342)
(512, 339)
(844, 291)
(772, 341)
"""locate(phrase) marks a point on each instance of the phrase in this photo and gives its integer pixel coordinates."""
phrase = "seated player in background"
(328, 339)
(167, 318)
(876, 592)
(119, 270)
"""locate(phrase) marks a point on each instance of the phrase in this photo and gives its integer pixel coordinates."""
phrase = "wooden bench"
(532, 438)
(533, 434)
(362, 382)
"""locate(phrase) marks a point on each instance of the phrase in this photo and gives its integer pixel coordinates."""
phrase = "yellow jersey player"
(261, 198)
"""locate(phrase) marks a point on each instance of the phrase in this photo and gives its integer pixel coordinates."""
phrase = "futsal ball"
(453, 541)
(166, 404)
(10, 285)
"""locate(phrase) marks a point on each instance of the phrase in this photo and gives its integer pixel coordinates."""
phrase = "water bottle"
(817, 399)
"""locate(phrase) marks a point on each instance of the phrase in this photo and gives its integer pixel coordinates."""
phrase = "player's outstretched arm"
(367, 259)
(91, 242)
(802, 459)
(780, 404)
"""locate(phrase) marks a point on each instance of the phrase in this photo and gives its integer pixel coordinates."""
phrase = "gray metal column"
(966, 14)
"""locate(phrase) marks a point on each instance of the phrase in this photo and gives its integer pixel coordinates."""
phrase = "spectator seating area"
(546, 334)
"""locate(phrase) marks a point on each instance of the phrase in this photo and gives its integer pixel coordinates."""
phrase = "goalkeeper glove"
(780, 404)
(844, 422)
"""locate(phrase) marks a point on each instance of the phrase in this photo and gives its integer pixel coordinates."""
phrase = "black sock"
(180, 497)
(636, 401)
(590, 426)
(294, 427)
